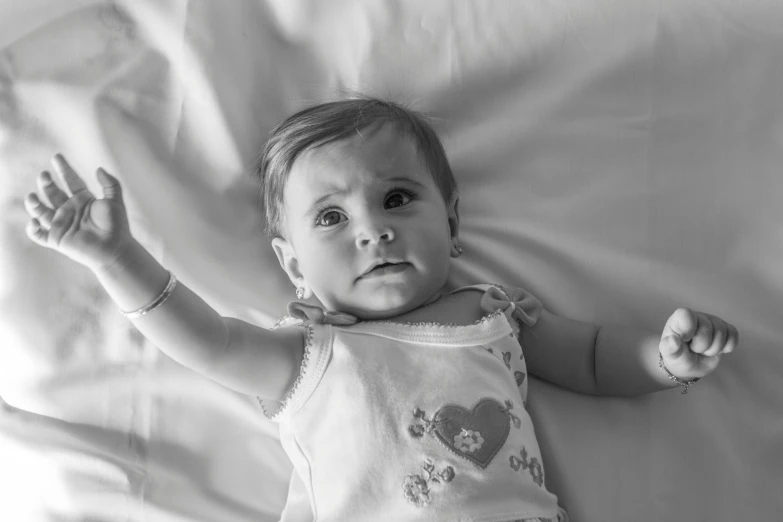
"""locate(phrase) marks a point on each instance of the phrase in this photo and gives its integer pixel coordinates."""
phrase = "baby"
(397, 399)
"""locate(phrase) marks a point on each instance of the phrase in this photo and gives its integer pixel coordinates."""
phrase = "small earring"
(299, 292)
(459, 250)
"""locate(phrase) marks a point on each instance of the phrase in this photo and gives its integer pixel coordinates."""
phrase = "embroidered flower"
(468, 441)
(447, 474)
(532, 466)
(416, 488)
(416, 431)
(536, 471)
(514, 419)
(520, 377)
(426, 425)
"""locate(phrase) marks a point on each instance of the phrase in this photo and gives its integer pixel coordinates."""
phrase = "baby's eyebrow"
(311, 210)
(342, 191)
(403, 179)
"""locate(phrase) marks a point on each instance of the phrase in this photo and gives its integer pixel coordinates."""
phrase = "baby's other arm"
(232, 352)
(621, 361)
(561, 351)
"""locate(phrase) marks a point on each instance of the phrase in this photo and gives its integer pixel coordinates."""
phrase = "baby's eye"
(397, 199)
(329, 218)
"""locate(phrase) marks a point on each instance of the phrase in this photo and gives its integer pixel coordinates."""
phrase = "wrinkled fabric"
(617, 159)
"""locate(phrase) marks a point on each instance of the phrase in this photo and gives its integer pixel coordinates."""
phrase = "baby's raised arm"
(95, 233)
(237, 354)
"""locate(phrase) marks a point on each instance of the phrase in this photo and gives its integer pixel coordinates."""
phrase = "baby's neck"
(460, 308)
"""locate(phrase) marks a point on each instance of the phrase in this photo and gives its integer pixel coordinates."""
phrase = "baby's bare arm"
(184, 326)
(592, 359)
(616, 360)
(237, 354)
(95, 233)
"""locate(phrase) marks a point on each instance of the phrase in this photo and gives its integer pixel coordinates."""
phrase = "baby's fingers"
(37, 233)
(725, 337)
(73, 183)
(732, 341)
(50, 190)
(719, 336)
(38, 210)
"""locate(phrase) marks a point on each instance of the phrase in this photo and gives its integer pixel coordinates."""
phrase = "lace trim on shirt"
(302, 367)
(484, 319)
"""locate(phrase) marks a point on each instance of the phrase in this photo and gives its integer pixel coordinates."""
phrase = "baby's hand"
(692, 343)
(90, 231)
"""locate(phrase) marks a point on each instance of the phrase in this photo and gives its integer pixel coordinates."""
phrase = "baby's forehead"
(367, 156)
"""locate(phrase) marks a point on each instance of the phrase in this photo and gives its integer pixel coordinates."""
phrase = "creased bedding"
(617, 159)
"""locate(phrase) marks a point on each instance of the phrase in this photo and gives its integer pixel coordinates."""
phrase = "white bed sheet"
(618, 159)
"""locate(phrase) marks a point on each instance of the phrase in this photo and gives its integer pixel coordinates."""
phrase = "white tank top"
(414, 421)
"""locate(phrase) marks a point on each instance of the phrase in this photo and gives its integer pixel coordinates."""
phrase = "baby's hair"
(327, 122)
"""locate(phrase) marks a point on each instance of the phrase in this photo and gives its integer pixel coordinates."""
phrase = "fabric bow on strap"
(317, 315)
(516, 304)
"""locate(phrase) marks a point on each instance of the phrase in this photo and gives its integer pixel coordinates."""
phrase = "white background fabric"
(617, 159)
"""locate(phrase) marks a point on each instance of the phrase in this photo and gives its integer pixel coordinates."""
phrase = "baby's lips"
(379, 262)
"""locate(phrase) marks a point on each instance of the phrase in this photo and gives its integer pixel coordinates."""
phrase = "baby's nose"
(373, 236)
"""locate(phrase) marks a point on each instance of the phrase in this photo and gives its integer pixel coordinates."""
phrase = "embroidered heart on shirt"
(476, 434)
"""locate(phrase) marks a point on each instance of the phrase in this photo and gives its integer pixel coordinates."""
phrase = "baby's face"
(358, 202)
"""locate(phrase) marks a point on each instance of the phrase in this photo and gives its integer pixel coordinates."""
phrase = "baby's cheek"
(330, 268)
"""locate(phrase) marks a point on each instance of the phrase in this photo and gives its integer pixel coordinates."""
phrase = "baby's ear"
(288, 261)
(452, 208)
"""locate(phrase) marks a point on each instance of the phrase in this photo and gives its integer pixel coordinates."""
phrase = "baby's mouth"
(386, 269)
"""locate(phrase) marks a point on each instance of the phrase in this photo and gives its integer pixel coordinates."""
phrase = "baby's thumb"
(111, 185)
(672, 347)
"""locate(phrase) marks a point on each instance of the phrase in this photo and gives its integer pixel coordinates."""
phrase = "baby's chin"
(378, 310)
(381, 315)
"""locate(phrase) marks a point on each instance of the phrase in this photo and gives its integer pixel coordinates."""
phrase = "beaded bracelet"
(674, 378)
(156, 302)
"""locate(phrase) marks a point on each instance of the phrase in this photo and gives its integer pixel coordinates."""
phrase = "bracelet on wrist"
(155, 302)
(680, 382)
